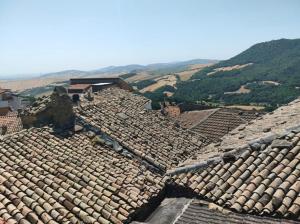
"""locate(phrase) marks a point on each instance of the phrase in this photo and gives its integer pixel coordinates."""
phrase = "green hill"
(269, 71)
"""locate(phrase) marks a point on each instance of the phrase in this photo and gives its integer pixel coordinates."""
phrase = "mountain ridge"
(128, 68)
(266, 73)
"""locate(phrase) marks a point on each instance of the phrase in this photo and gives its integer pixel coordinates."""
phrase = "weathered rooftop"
(194, 211)
(262, 179)
(215, 123)
(107, 173)
(188, 119)
(48, 179)
(258, 174)
(276, 122)
(199, 212)
(148, 134)
(10, 123)
(112, 170)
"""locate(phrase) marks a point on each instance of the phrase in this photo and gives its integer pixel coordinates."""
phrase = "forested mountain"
(266, 73)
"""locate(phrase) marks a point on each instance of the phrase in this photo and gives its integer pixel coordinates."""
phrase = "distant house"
(80, 86)
(9, 101)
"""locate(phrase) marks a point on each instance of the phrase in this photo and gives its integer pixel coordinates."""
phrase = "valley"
(265, 75)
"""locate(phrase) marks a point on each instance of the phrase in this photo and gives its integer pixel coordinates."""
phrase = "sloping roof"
(105, 174)
(220, 122)
(262, 177)
(276, 122)
(38, 106)
(45, 178)
(12, 122)
(257, 174)
(148, 134)
(189, 119)
(198, 212)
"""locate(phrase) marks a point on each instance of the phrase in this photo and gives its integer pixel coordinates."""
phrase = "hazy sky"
(38, 36)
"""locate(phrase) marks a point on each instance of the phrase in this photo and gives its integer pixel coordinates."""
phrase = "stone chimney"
(56, 109)
(61, 108)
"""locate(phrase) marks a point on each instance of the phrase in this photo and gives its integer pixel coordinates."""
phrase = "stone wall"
(56, 109)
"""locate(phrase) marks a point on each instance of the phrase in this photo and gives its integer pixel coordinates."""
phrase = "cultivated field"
(163, 81)
(20, 85)
(241, 90)
(246, 107)
(229, 68)
(186, 75)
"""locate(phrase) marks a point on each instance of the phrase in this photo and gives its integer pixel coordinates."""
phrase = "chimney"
(61, 109)
(56, 110)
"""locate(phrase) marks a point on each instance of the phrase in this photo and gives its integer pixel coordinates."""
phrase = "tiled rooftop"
(221, 121)
(39, 105)
(260, 178)
(113, 168)
(276, 122)
(148, 134)
(189, 119)
(198, 212)
(48, 179)
(11, 123)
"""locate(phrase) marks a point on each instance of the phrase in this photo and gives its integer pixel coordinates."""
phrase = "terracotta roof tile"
(221, 121)
(11, 122)
(260, 181)
(48, 178)
(148, 134)
(108, 172)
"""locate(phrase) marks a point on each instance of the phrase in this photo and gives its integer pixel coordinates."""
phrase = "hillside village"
(102, 155)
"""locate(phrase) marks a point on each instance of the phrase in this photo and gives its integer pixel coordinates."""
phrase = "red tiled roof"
(222, 121)
(263, 180)
(45, 178)
(148, 134)
(12, 122)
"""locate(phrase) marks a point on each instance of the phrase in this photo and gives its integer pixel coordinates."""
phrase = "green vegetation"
(277, 61)
(144, 83)
(128, 75)
(158, 95)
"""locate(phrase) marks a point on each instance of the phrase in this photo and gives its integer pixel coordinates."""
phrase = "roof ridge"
(185, 207)
(205, 118)
(160, 167)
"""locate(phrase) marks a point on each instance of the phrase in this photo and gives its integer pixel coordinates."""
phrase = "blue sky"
(52, 35)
